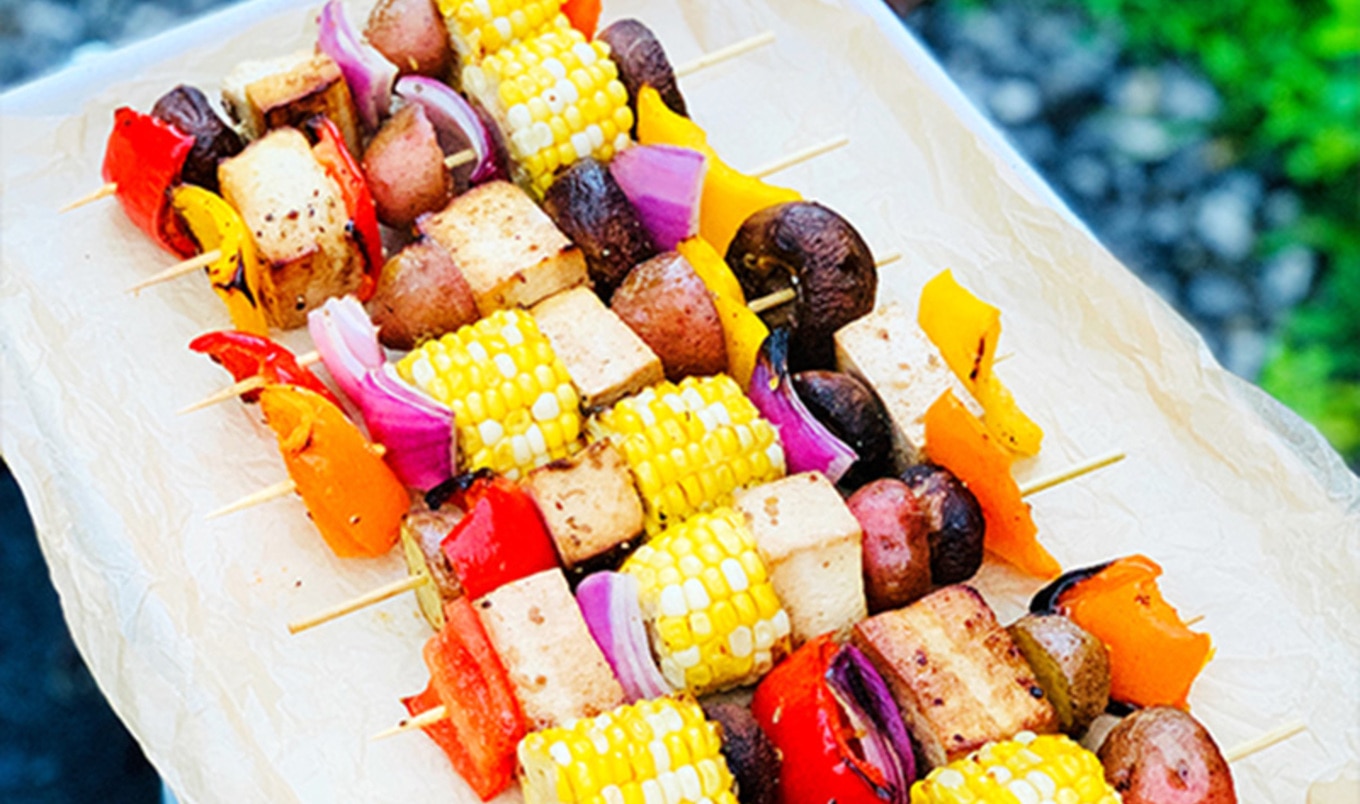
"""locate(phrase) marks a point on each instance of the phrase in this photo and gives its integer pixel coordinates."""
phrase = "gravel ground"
(1129, 147)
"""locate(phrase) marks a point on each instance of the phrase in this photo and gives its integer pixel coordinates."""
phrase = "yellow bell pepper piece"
(235, 275)
(743, 331)
(966, 330)
(711, 267)
(729, 196)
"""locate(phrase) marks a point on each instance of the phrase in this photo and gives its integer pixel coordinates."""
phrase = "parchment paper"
(181, 620)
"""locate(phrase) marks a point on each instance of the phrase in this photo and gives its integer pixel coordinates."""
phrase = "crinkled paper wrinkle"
(182, 620)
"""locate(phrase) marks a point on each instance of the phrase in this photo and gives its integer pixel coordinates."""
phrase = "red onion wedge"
(417, 431)
(609, 603)
(873, 714)
(664, 182)
(368, 72)
(347, 341)
(455, 120)
(808, 445)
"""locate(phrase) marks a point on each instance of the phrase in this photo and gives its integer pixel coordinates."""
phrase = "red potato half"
(896, 544)
(1164, 756)
(404, 168)
(666, 303)
(412, 35)
(421, 295)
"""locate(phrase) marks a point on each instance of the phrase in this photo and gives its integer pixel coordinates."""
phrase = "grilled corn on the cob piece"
(713, 615)
(513, 404)
(1025, 770)
(691, 445)
(558, 99)
(479, 27)
(663, 750)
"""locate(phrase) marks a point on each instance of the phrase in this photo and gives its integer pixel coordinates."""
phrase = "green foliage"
(1289, 76)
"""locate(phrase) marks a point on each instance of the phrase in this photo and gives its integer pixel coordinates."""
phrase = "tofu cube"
(889, 352)
(812, 545)
(275, 93)
(605, 358)
(588, 502)
(957, 676)
(508, 249)
(298, 218)
(557, 670)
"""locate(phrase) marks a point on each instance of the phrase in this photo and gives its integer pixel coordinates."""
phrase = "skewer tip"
(103, 192)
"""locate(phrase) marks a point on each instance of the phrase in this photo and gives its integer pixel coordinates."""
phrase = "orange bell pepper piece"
(1154, 656)
(956, 440)
(729, 196)
(355, 500)
(743, 331)
(966, 330)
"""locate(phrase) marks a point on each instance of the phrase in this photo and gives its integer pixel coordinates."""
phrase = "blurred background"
(1213, 147)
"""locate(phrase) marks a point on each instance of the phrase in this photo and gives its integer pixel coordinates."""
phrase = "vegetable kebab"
(542, 413)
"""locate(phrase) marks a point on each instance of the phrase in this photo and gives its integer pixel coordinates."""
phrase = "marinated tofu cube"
(605, 358)
(297, 216)
(812, 545)
(888, 351)
(557, 670)
(273, 93)
(957, 676)
(508, 249)
(589, 503)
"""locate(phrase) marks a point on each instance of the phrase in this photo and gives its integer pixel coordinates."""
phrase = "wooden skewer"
(724, 53)
(368, 599)
(1198, 618)
(241, 387)
(798, 157)
(459, 159)
(1071, 473)
(787, 294)
(103, 192)
(280, 489)
(1277, 735)
(427, 718)
(178, 269)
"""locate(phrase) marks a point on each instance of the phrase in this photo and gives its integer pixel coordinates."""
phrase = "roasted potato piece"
(896, 544)
(1072, 666)
(422, 534)
(669, 307)
(412, 35)
(404, 168)
(421, 294)
(1164, 756)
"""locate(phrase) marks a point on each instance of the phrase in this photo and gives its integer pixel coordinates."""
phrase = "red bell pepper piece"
(246, 355)
(485, 723)
(798, 711)
(339, 163)
(583, 15)
(144, 157)
(1154, 656)
(502, 539)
